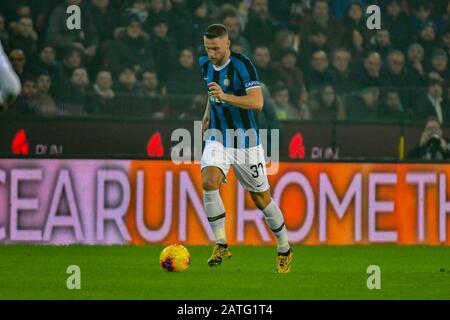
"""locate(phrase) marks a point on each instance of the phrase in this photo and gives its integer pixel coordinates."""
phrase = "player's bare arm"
(253, 100)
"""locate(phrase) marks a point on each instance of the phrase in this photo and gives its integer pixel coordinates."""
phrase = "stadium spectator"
(421, 14)
(260, 26)
(396, 21)
(187, 81)
(339, 8)
(284, 40)
(284, 109)
(131, 47)
(319, 73)
(186, 69)
(200, 21)
(157, 11)
(164, 50)
(356, 43)
(46, 62)
(150, 85)
(19, 62)
(326, 105)
(127, 83)
(180, 29)
(77, 95)
(391, 106)
(370, 73)
(320, 17)
(415, 65)
(24, 37)
(138, 10)
(444, 20)
(427, 38)
(432, 145)
(21, 10)
(395, 74)
(381, 43)
(340, 70)
(316, 41)
(84, 39)
(363, 105)
(237, 48)
(291, 75)
(262, 60)
(231, 21)
(102, 99)
(26, 101)
(155, 95)
(439, 65)
(418, 28)
(290, 14)
(105, 19)
(72, 60)
(354, 19)
(45, 104)
(431, 103)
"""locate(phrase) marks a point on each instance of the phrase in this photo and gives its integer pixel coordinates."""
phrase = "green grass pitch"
(323, 272)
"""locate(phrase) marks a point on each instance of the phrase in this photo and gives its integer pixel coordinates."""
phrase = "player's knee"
(210, 184)
(261, 199)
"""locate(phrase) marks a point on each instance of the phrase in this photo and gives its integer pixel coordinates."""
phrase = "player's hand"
(216, 91)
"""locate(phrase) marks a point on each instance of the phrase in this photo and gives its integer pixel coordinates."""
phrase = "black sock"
(284, 253)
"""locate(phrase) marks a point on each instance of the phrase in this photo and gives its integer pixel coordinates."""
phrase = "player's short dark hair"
(216, 31)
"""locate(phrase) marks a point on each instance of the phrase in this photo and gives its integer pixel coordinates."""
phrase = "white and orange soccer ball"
(175, 258)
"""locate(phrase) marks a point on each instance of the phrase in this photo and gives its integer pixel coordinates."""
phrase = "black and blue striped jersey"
(235, 77)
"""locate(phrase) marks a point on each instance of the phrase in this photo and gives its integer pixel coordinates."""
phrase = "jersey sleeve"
(203, 61)
(249, 74)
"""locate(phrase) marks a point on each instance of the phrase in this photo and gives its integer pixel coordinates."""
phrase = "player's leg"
(10, 86)
(212, 178)
(275, 220)
(214, 170)
(251, 173)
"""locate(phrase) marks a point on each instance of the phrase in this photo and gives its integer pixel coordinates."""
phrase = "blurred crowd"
(317, 58)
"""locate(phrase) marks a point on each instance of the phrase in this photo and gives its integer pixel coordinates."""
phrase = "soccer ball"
(175, 258)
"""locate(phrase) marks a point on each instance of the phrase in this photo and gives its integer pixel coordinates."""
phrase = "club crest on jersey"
(226, 82)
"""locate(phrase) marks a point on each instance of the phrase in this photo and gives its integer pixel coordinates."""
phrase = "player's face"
(217, 49)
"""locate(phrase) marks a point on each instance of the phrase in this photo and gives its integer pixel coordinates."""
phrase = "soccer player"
(9, 81)
(234, 94)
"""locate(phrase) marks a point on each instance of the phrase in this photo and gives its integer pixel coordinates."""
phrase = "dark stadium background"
(131, 73)
(115, 90)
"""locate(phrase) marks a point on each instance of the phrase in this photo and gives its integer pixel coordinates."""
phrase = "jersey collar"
(222, 66)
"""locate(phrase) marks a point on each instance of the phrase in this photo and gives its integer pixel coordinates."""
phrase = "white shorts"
(249, 164)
